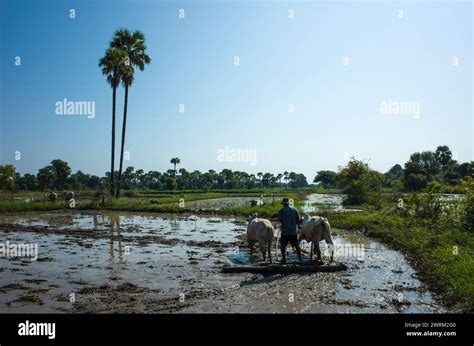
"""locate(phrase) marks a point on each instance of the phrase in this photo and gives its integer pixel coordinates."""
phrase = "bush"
(467, 206)
(130, 194)
(426, 204)
(363, 185)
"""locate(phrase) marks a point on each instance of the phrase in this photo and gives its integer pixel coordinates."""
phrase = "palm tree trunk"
(113, 142)
(124, 127)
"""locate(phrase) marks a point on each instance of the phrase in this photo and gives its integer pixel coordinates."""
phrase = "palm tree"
(133, 43)
(278, 178)
(175, 161)
(260, 175)
(112, 65)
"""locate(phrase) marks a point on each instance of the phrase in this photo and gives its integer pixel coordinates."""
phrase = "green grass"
(431, 252)
(31, 206)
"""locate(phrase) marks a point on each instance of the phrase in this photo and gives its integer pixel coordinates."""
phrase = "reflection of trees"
(174, 224)
(95, 220)
(66, 219)
(115, 226)
(100, 220)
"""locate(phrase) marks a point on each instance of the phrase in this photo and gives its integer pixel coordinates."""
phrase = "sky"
(316, 83)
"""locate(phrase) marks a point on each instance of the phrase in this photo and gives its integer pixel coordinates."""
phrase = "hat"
(285, 200)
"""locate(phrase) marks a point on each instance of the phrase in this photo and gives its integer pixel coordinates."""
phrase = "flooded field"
(137, 262)
(227, 202)
(318, 201)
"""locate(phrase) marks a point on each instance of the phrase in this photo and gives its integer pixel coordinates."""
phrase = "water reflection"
(115, 226)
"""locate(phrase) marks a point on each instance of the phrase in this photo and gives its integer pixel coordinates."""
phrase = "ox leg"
(331, 246)
(318, 251)
(311, 252)
(270, 252)
(298, 251)
(251, 244)
(263, 250)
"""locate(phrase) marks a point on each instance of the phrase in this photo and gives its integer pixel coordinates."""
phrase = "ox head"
(252, 217)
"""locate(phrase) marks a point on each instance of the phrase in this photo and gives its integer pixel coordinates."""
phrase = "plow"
(288, 268)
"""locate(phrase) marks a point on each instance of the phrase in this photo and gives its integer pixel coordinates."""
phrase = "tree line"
(359, 181)
(58, 176)
(419, 172)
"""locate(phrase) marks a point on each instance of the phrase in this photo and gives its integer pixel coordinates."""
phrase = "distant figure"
(53, 196)
(68, 195)
(290, 220)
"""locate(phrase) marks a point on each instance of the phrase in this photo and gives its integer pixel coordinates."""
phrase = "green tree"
(113, 65)
(363, 185)
(421, 164)
(63, 171)
(443, 155)
(327, 179)
(394, 173)
(46, 177)
(7, 177)
(175, 161)
(171, 183)
(133, 43)
(28, 182)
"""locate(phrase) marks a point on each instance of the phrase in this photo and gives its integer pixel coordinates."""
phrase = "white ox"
(314, 229)
(260, 231)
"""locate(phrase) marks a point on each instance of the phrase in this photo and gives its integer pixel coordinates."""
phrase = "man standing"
(290, 220)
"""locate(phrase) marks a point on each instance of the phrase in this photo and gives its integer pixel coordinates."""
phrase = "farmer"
(290, 221)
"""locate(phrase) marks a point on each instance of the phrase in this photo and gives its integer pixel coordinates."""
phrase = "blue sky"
(283, 61)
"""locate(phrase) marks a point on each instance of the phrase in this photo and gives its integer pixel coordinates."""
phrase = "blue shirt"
(290, 219)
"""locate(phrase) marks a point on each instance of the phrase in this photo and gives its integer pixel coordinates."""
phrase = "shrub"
(467, 206)
(426, 204)
(130, 194)
(363, 185)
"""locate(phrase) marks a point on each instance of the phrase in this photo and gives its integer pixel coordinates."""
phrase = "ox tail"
(276, 243)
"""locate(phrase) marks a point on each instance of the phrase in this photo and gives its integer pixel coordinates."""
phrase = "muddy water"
(226, 202)
(325, 202)
(132, 262)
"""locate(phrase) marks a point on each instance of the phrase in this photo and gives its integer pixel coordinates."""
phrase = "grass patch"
(443, 258)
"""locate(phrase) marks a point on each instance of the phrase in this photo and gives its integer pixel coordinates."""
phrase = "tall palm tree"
(175, 161)
(112, 65)
(278, 178)
(133, 43)
(260, 175)
(285, 177)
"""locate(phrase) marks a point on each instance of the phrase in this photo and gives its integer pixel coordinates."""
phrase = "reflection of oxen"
(53, 196)
(260, 231)
(314, 229)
